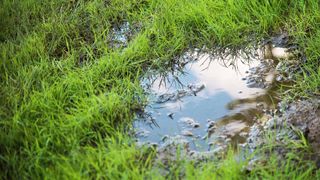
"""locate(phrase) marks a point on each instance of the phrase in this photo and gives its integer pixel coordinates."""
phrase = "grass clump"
(68, 94)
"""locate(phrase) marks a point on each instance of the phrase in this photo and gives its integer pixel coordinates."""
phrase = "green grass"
(68, 96)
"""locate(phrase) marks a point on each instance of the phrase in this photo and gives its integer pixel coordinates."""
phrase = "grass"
(68, 95)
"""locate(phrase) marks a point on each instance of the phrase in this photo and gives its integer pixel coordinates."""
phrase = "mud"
(302, 116)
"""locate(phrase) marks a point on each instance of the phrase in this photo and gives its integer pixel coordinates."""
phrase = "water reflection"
(225, 99)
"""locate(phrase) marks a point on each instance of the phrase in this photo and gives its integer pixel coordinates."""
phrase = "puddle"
(119, 35)
(207, 104)
(122, 33)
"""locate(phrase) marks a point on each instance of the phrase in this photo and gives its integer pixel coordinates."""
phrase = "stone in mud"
(165, 97)
(195, 88)
(259, 76)
(234, 128)
(256, 82)
(211, 124)
(180, 93)
(186, 133)
(243, 134)
(280, 78)
(142, 133)
(187, 120)
(195, 125)
(211, 130)
(164, 138)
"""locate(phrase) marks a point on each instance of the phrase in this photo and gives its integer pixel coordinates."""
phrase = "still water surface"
(225, 99)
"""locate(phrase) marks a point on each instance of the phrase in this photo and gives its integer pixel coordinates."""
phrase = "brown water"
(226, 102)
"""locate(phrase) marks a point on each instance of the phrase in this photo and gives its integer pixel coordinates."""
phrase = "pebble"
(243, 145)
(260, 105)
(211, 124)
(212, 129)
(222, 137)
(243, 134)
(142, 133)
(164, 138)
(186, 133)
(279, 78)
(187, 120)
(195, 125)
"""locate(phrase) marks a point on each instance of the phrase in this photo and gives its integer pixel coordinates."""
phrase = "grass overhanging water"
(68, 95)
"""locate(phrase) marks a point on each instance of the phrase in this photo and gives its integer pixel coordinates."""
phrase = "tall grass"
(68, 96)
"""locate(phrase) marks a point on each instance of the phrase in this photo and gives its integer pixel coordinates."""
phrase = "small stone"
(187, 120)
(243, 134)
(260, 105)
(251, 84)
(195, 125)
(212, 129)
(164, 138)
(218, 149)
(279, 78)
(211, 124)
(239, 92)
(243, 145)
(243, 79)
(142, 133)
(195, 88)
(223, 137)
(186, 133)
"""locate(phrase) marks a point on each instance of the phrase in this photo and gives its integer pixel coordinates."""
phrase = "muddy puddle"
(208, 104)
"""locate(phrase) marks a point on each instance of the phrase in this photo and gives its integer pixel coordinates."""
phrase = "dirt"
(286, 125)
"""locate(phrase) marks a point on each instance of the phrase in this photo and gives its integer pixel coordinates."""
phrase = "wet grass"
(68, 95)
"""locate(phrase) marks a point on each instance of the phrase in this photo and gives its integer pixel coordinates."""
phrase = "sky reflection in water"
(223, 85)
